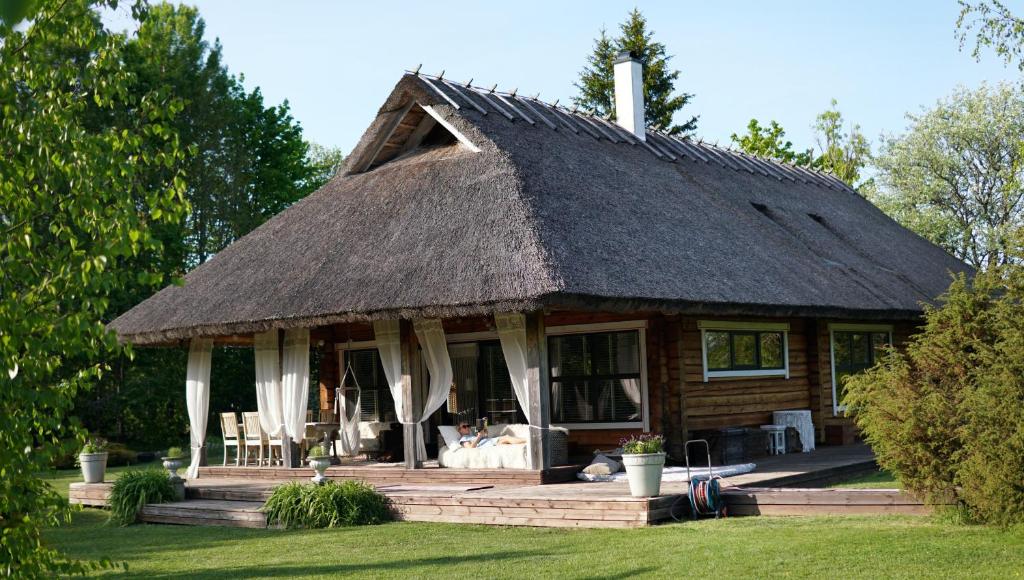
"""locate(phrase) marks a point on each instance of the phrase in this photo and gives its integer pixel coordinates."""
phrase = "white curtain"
(349, 414)
(295, 382)
(268, 383)
(387, 334)
(197, 397)
(435, 353)
(512, 334)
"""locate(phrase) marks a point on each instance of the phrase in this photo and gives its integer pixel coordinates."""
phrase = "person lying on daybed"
(467, 439)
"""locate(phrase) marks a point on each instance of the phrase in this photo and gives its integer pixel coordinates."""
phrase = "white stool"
(776, 439)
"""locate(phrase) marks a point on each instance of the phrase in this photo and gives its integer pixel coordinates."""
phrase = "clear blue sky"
(335, 63)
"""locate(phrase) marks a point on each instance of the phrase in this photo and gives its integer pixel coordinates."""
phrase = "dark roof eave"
(554, 300)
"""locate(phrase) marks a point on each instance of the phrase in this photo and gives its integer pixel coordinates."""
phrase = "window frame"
(837, 409)
(706, 326)
(640, 326)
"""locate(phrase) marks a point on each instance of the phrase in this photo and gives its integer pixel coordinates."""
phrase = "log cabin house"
(644, 282)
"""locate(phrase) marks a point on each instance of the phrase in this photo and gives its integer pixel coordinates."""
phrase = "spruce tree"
(597, 85)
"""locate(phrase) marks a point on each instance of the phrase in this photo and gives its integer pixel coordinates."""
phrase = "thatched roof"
(548, 207)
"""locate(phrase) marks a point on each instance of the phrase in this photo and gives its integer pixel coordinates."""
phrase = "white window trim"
(641, 327)
(706, 325)
(838, 409)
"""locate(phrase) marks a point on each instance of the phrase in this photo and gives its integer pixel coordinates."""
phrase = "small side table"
(776, 439)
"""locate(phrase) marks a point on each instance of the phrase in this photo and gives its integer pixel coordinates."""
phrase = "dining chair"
(253, 436)
(271, 444)
(229, 432)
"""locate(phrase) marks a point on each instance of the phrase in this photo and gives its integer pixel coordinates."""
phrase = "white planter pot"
(319, 465)
(172, 465)
(94, 466)
(644, 473)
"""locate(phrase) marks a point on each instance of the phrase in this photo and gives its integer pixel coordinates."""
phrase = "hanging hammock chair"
(348, 431)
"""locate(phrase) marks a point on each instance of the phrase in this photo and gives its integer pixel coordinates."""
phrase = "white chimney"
(629, 94)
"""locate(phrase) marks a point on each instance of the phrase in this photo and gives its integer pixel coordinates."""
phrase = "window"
(735, 349)
(596, 378)
(498, 399)
(854, 350)
(376, 403)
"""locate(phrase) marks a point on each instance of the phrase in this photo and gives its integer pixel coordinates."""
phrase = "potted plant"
(93, 460)
(319, 460)
(174, 460)
(644, 457)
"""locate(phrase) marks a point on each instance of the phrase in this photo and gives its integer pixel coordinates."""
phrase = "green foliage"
(597, 80)
(956, 177)
(175, 453)
(317, 452)
(134, 489)
(643, 443)
(946, 416)
(248, 161)
(80, 194)
(331, 505)
(94, 446)
(844, 151)
(769, 142)
(995, 27)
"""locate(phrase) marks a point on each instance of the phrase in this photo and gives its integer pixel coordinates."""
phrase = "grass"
(867, 547)
(879, 480)
(850, 547)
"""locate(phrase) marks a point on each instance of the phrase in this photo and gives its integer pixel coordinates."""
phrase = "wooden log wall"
(743, 401)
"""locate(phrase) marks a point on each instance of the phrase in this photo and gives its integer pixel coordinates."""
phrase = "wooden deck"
(397, 473)
(506, 497)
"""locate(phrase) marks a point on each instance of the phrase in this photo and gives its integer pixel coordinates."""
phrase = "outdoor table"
(799, 420)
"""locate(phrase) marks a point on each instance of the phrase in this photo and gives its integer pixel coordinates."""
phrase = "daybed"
(450, 454)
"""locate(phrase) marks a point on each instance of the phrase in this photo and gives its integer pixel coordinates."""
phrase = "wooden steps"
(769, 501)
(205, 512)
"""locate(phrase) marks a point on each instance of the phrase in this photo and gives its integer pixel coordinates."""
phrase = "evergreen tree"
(770, 142)
(597, 84)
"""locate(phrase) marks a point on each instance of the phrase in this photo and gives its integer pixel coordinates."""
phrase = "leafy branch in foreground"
(79, 142)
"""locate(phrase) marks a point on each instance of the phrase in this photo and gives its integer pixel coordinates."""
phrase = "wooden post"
(410, 433)
(288, 457)
(538, 393)
(678, 336)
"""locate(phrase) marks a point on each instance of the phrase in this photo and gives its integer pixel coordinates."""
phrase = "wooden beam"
(387, 128)
(451, 128)
(538, 454)
(409, 432)
(418, 134)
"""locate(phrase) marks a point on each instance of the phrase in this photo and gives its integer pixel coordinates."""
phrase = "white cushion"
(450, 435)
(602, 465)
(495, 457)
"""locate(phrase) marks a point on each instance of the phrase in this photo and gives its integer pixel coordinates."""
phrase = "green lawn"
(879, 480)
(868, 547)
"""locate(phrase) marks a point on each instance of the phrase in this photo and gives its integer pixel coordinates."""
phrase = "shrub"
(331, 505)
(946, 417)
(643, 443)
(175, 453)
(316, 452)
(134, 489)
